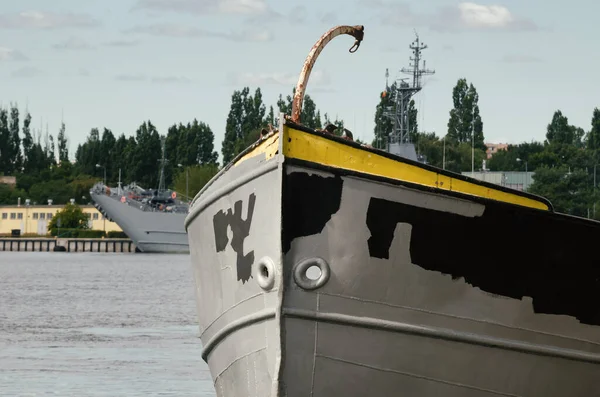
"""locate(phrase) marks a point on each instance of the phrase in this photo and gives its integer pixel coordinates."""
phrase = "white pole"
(444, 155)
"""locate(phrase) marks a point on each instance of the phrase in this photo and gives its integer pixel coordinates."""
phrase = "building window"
(96, 216)
(42, 216)
(13, 215)
(20, 215)
(49, 215)
(35, 215)
(5, 215)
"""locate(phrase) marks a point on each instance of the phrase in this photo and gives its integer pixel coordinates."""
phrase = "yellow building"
(34, 219)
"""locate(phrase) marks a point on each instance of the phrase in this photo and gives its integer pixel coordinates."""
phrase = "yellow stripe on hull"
(269, 147)
(318, 149)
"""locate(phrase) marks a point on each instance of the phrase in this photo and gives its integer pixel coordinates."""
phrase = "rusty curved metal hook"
(357, 32)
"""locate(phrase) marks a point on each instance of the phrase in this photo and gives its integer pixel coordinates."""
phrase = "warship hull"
(427, 282)
(151, 232)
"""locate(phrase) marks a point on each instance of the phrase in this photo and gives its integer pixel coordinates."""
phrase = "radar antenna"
(403, 93)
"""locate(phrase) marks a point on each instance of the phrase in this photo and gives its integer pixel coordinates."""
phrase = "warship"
(152, 218)
(324, 267)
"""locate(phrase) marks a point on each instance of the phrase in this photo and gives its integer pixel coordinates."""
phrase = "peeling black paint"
(309, 201)
(509, 251)
(240, 229)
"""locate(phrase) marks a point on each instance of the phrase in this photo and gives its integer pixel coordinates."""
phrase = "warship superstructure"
(324, 267)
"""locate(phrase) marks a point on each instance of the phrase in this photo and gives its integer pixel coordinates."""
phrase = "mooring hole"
(313, 272)
(264, 271)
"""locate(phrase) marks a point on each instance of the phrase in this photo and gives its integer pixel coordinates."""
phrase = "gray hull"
(384, 318)
(153, 232)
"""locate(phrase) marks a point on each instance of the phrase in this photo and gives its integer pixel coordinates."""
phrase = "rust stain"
(357, 32)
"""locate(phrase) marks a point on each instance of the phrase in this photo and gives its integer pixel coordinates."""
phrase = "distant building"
(8, 180)
(517, 180)
(34, 219)
(492, 148)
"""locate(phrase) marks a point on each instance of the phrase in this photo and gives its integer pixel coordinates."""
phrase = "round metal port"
(265, 273)
(311, 273)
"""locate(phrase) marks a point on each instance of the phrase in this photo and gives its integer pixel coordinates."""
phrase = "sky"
(117, 63)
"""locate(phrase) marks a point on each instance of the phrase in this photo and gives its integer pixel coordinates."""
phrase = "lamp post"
(186, 182)
(444, 154)
(526, 174)
(102, 166)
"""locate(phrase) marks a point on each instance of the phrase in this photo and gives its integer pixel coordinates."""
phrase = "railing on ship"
(179, 207)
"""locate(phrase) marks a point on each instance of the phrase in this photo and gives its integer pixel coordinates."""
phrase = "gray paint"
(376, 327)
(244, 361)
(156, 232)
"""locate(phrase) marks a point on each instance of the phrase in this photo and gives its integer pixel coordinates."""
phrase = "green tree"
(515, 156)
(465, 122)
(28, 149)
(120, 159)
(383, 124)
(148, 151)
(63, 145)
(246, 116)
(71, 217)
(198, 176)
(570, 191)
(107, 144)
(430, 146)
(5, 144)
(9, 195)
(560, 132)
(89, 153)
(15, 154)
(49, 150)
(593, 138)
(206, 144)
(310, 116)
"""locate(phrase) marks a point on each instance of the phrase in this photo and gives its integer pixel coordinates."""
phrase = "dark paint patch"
(240, 229)
(508, 251)
(309, 201)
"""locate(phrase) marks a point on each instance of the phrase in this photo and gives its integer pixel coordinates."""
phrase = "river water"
(93, 324)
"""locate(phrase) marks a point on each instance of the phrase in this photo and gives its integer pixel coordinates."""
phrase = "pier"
(67, 245)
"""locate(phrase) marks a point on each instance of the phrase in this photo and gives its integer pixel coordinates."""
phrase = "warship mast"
(399, 142)
(161, 180)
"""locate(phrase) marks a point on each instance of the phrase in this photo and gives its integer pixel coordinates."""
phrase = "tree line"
(564, 162)
(43, 169)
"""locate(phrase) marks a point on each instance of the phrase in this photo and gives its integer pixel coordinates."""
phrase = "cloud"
(462, 17)
(73, 44)
(477, 16)
(130, 77)
(46, 20)
(26, 72)
(329, 18)
(8, 54)
(153, 79)
(170, 80)
(298, 14)
(83, 72)
(317, 79)
(520, 58)
(122, 43)
(173, 30)
(204, 7)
